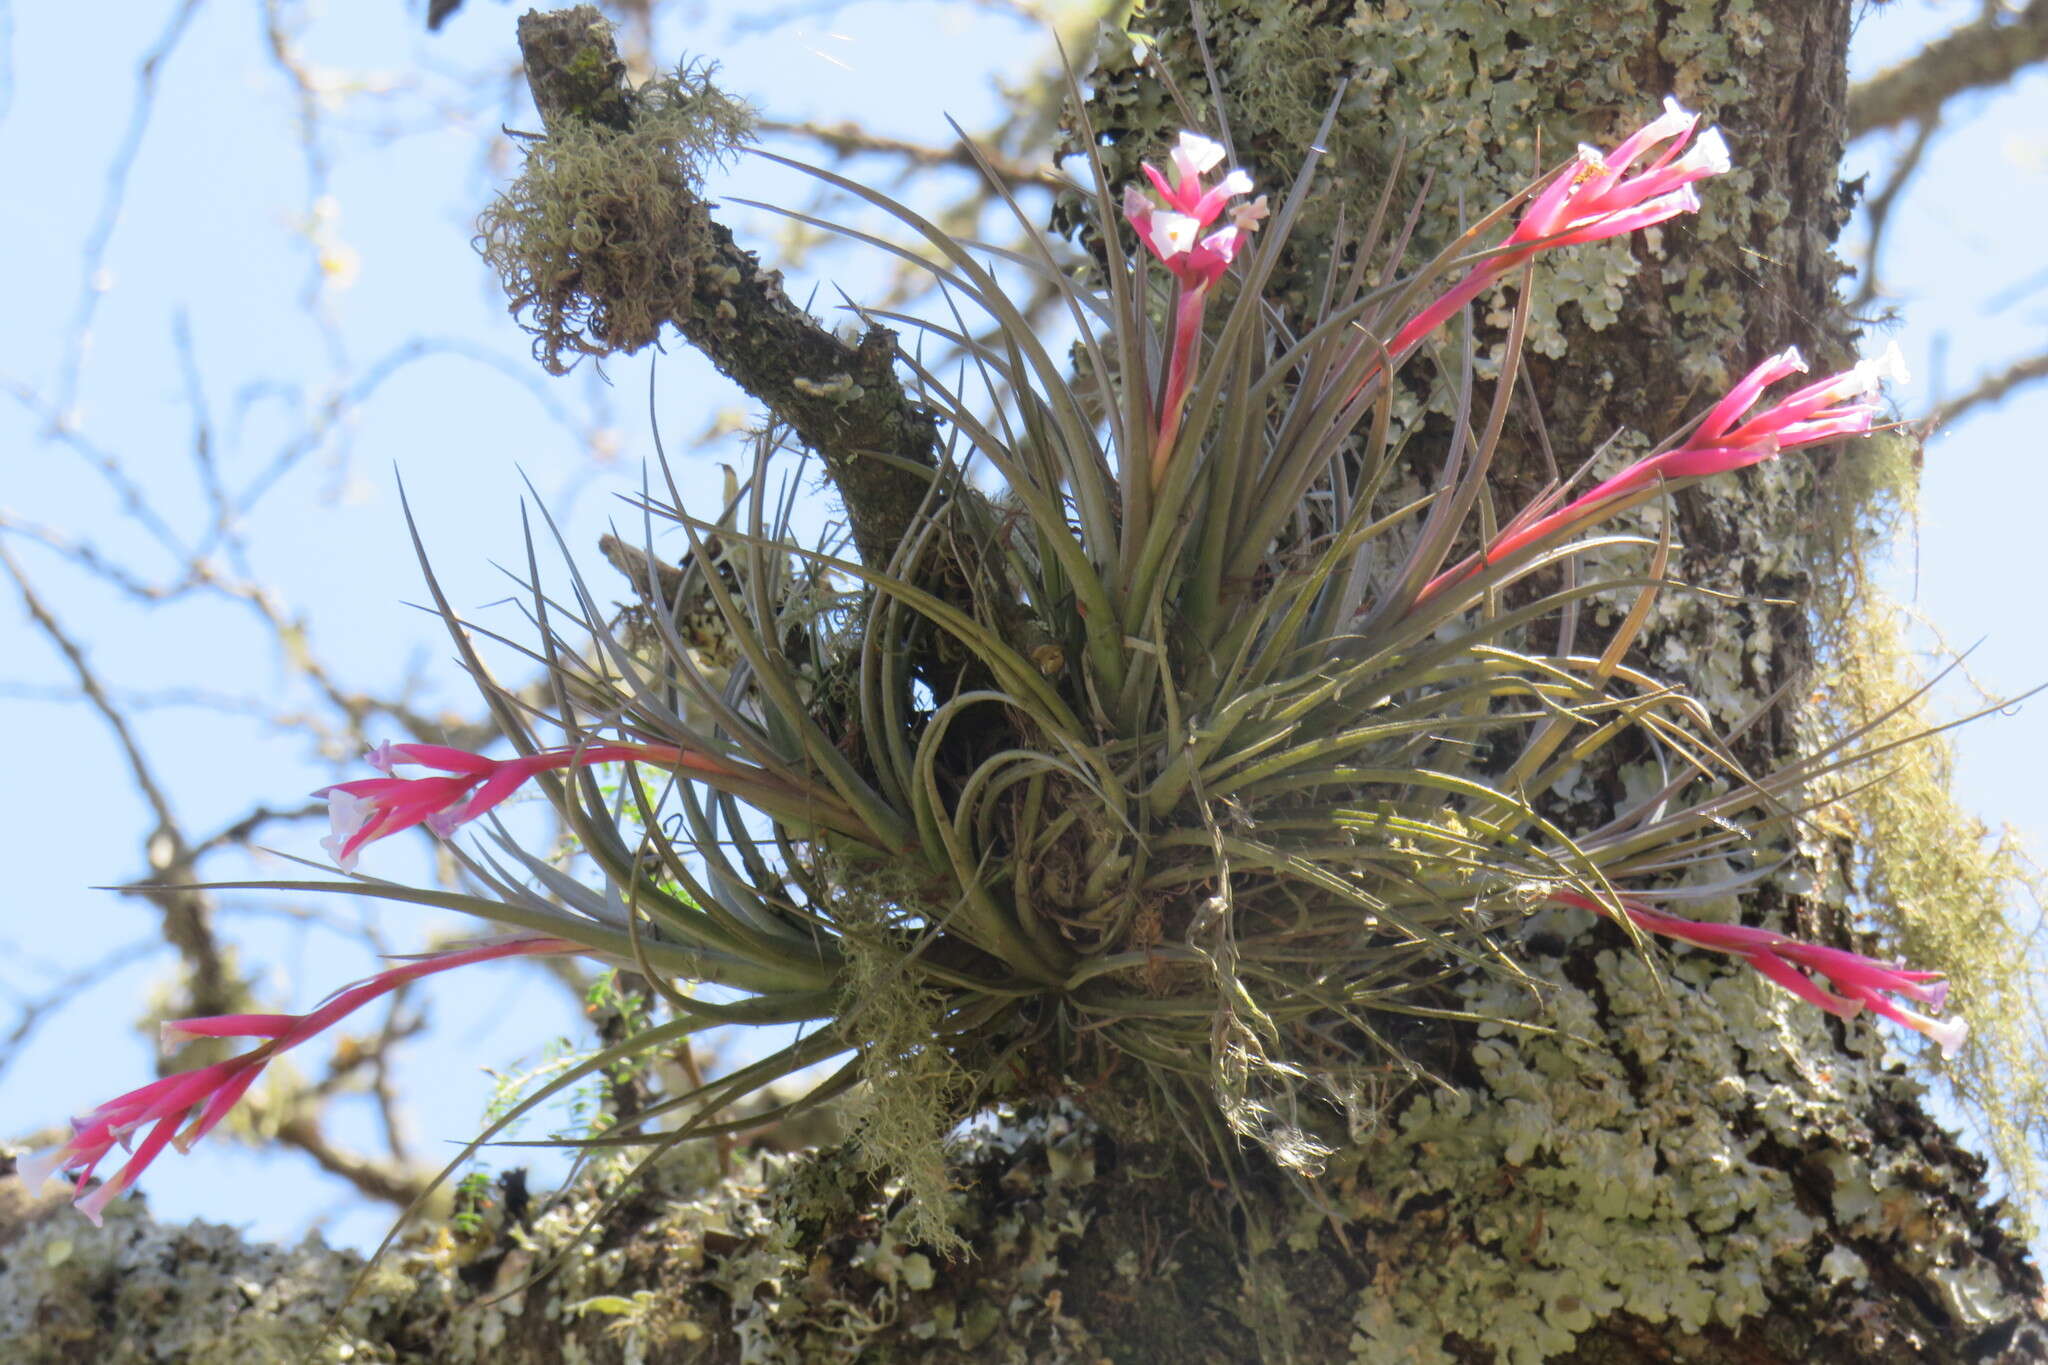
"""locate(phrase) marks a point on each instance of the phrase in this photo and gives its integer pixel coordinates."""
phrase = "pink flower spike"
(1167, 191)
(1747, 390)
(1784, 974)
(1587, 201)
(218, 1106)
(1853, 971)
(359, 812)
(1650, 212)
(214, 1091)
(1173, 236)
(1590, 199)
(1213, 201)
(1672, 125)
(1946, 1034)
(1708, 156)
(94, 1203)
(1173, 233)
(1862, 981)
(347, 816)
(1823, 411)
(35, 1170)
(1208, 260)
(1646, 213)
(1849, 421)
(1829, 400)
(370, 808)
(441, 756)
(1138, 211)
(1546, 210)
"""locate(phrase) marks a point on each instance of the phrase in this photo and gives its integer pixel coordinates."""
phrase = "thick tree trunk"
(1676, 1166)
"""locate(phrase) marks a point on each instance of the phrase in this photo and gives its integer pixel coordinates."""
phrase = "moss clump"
(597, 241)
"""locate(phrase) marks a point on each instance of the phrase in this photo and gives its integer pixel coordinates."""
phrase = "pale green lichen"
(784, 1260)
(1462, 86)
(597, 241)
(1624, 1163)
(203, 1293)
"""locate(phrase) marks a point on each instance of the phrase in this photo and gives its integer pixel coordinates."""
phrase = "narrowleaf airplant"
(1267, 775)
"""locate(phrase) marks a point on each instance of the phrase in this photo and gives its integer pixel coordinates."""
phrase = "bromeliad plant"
(1265, 786)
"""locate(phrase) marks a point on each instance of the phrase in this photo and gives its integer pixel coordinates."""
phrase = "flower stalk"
(1592, 198)
(1859, 981)
(200, 1099)
(371, 808)
(1177, 235)
(1838, 406)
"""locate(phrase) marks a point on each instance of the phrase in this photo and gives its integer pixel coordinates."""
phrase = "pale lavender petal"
(35, 1171)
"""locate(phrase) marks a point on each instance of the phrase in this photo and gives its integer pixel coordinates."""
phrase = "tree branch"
(842, 400)
(187, 912)
(1989, 391)
(1985, 53)
(847, 139)
(1878, 209)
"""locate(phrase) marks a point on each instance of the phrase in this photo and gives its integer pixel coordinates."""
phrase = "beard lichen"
(1944, 886)
(902, 1116)
(597, 242)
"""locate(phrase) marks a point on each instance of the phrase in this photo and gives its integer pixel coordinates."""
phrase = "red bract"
(1174, 234)
(206, 1096)
(1787, 961)
(1592, 198)
(1835, 407)
(373, 807)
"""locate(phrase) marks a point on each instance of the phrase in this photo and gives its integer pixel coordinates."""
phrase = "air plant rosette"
(1273, 787)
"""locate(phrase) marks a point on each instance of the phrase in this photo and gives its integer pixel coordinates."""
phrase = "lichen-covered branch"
(842, 399)
(1985, 53)
(1685, 1169)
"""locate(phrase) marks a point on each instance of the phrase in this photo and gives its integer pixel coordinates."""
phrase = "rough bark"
(1685, 1166)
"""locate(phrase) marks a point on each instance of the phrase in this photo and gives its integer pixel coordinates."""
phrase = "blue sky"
(214, 243)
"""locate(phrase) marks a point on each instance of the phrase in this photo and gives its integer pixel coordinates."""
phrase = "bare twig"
(34, 1009)
(876, 444)
(147, 77)
(1988, 392)
(1879, 208)
(1976, 56)
(383, 1181)
(850, 139)
(185, 911)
